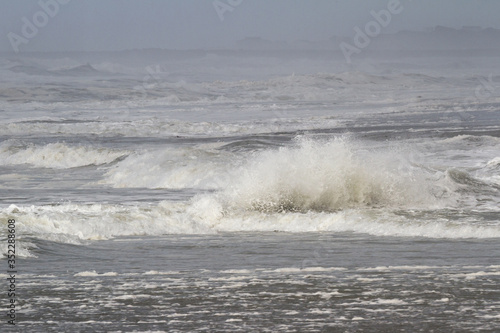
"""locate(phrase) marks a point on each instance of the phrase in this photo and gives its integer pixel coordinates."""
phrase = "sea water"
(162, 191)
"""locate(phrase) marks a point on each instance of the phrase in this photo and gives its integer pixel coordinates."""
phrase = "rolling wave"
(310, 185)
(56, 155)
(317, 175)
(174, 168)
(336, 87)
(79, 223)
(37, 69)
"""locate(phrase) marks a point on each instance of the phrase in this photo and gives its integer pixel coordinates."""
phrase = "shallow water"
(263, 281)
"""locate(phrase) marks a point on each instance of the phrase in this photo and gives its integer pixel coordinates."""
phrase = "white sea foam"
(23, 248)
(56, 155)
(494, 163)
(94, 273)
(491, 172)
(70, 223)
(275, 120)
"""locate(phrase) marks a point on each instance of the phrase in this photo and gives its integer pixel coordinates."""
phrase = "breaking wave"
(326, 176)
(311, 185)
(173, 168)
(310, 174)
(79, 223)
(56, 155)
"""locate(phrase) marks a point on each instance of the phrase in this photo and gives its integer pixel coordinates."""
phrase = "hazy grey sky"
(124, 24)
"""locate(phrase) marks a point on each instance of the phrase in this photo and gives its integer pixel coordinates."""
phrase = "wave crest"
(56, 155)
(324, 176)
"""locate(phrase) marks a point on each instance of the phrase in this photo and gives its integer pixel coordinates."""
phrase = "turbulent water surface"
(233, 191)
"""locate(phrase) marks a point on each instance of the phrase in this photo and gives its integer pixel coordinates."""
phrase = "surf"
(326, 176)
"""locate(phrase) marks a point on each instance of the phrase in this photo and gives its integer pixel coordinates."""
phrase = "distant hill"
(440, 38)
(257, 43)
(437, 38)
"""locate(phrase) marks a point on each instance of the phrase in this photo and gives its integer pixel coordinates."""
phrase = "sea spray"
(325, 175)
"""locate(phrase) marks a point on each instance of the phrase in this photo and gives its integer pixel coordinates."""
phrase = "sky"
(95, 25)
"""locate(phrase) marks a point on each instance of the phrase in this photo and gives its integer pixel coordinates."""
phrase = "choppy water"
(223, 193)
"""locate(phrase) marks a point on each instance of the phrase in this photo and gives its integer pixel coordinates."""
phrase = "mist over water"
(188, 167)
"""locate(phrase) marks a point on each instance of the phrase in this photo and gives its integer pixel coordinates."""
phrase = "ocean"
(249, 191)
